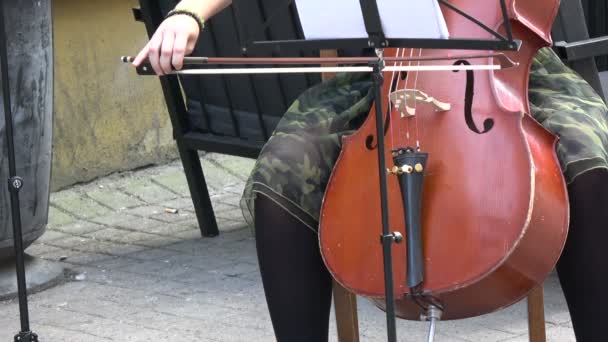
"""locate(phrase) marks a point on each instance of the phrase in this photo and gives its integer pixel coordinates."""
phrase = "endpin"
(433, 315)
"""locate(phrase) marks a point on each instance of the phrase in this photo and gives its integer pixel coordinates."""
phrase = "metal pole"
(15, 184)
(387, 239)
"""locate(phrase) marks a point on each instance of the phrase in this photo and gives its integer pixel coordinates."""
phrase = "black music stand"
(15, 183)
(377, 40)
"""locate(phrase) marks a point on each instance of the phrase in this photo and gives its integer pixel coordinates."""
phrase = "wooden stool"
(347, 321)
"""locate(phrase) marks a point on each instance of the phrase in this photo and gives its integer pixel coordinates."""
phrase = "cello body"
(494, 207)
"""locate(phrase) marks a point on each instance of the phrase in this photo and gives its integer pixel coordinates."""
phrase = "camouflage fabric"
(294, 166)
(568, 106)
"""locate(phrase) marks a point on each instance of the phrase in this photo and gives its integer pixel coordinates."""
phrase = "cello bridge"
(405, 101)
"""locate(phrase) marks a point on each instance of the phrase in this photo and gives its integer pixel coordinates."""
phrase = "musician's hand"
(174, 39)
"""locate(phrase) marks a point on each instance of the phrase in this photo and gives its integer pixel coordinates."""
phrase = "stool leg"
(536, 315)
(345, 302)
(347, 321)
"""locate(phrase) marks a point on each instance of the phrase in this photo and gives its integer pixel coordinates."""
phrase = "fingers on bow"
(165, 52)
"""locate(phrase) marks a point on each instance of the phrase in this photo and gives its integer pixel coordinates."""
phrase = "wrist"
(189, 12)
(195, 6)
(205, 9)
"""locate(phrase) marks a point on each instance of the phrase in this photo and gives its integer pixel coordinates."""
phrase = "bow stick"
(503, 63)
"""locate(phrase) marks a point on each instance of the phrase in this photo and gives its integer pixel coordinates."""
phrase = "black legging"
(583, 266)
(298, 286)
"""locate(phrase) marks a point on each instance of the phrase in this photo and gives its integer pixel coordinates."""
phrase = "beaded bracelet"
(192, 14)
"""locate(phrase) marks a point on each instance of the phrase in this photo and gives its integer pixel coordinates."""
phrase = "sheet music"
(342, 19)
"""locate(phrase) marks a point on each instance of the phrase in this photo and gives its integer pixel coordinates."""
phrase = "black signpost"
(15, 183)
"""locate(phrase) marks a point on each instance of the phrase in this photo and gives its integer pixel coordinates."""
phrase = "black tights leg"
(583, 266)
(296, 282)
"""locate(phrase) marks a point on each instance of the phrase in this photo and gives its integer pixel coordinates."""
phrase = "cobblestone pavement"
(141, 273)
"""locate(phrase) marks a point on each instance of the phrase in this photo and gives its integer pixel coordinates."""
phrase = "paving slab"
(79, 205)
(114, 198)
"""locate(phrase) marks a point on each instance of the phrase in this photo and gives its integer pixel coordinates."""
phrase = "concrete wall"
(107, 118)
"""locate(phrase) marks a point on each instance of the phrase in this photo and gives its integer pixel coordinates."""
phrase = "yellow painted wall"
(107, 118)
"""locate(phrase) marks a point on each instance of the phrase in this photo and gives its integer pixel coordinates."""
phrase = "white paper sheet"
(340, 19)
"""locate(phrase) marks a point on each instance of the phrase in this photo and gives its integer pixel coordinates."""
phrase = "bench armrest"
(582, 49)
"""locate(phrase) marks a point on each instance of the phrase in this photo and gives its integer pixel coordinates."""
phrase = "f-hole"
(468, 102)
(370, 142)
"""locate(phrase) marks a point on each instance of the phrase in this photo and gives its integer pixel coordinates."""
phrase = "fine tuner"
(399, 170)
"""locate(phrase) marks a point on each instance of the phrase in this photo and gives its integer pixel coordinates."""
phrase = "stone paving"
(140, 272)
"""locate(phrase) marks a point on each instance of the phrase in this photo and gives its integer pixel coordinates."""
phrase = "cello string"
(400, 53)
(390, 104)
(398, 82)
(407, 121)
(415, 103)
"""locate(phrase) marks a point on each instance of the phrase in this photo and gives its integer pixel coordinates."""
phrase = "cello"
(474, 185)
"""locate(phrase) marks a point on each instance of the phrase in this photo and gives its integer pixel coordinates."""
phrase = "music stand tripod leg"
(15, 184)
(387, 239)
(377, 40)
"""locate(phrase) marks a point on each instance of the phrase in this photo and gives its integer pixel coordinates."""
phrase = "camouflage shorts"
(294, 166)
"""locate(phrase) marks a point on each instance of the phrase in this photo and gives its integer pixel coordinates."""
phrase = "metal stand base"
(26, 337)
